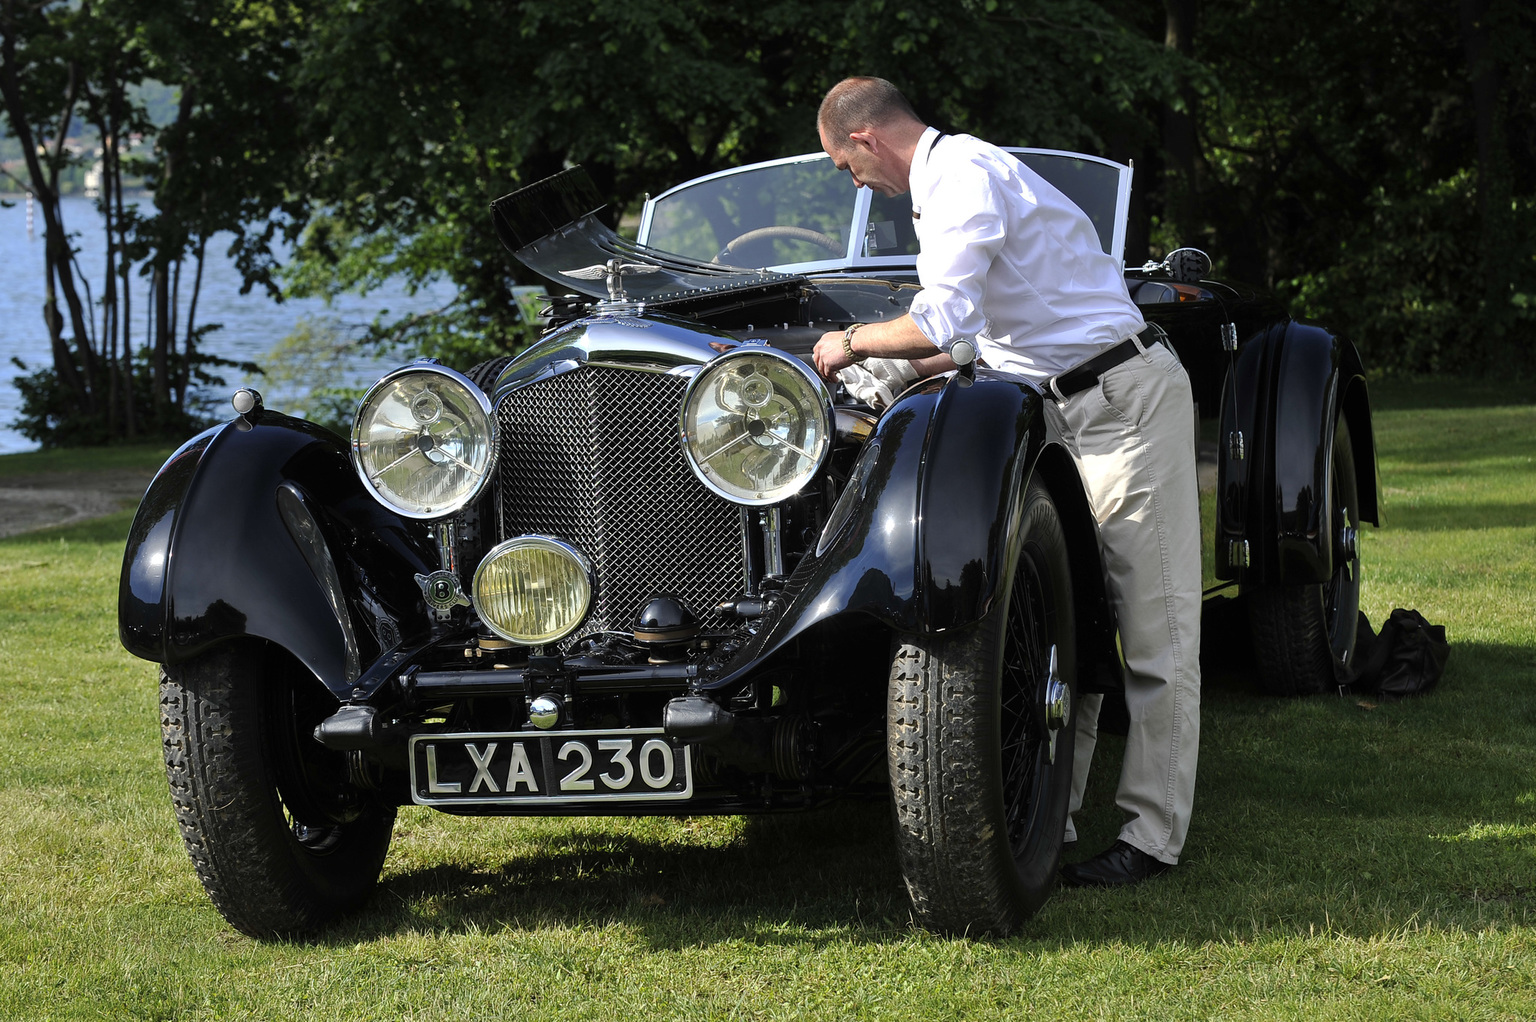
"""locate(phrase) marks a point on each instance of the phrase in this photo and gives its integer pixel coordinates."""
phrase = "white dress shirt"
(1010, 261)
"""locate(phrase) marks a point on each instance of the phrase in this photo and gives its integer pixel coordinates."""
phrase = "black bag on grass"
(1407, 658)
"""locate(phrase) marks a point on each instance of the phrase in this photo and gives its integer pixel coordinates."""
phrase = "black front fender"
(259, 527)
(925, 546)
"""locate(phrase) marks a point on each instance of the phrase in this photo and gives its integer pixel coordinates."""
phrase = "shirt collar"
(918, 178)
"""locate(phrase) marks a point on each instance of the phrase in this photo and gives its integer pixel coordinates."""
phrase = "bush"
(1408, 287)
(52, 415)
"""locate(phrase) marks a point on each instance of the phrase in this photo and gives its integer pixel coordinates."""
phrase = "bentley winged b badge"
(613, 271)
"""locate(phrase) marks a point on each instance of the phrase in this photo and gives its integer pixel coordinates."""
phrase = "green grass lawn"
(147, 457)
(1348, 859)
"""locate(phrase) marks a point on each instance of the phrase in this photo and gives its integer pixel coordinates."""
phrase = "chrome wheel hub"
(1058, 705)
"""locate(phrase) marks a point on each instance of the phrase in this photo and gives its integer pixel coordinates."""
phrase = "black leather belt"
(1086, 373)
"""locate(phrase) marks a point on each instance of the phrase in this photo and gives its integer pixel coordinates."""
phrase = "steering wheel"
(816, 238)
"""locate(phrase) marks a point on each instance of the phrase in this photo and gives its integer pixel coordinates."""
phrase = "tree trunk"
(189, 348)
(160, 291)
(1182, 182)
(44, 182)
(109, 171)
(1494, 185)
(169, 249)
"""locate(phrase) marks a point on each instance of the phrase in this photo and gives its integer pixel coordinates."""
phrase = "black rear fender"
(260, 528)
(1290, 386)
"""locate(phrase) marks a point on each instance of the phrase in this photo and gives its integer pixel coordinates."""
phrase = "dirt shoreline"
(38, 501)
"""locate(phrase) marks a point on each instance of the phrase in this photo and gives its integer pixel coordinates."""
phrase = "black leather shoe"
(1121, 866)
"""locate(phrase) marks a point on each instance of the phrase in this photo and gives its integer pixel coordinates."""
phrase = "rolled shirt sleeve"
(959, 242)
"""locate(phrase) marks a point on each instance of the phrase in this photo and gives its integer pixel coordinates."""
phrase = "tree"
(1359, 171)
(414, 132)
(222, 164)
(40, 83)
(1334, 167)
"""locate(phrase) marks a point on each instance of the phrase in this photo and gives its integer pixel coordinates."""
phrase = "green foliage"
(50, 417)
(304, 368)
(1398, 280)
(1380, 175)
(413, 133)
(1342, 168)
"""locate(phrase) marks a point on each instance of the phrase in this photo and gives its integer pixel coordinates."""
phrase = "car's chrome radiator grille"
(591, 456)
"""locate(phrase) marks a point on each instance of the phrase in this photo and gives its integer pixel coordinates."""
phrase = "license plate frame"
(549, 767)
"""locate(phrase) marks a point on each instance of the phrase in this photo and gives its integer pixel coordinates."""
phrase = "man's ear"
(864, 140)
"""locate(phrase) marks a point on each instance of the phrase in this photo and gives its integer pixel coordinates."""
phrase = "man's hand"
(892, 338)
(828, 356)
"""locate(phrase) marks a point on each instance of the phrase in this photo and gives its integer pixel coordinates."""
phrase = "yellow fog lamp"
(532, 589)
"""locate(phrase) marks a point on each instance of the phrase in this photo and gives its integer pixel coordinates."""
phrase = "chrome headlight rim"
(705, 377)
(537, 541)
(492, 434)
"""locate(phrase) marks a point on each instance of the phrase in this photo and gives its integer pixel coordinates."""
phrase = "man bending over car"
(1010, 264)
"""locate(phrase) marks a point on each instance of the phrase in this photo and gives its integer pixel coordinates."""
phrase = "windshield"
(804, 213)
(758, 216)
(551, 227)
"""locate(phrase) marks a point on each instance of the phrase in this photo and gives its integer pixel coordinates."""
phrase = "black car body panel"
(212, 555)
(1291, 383)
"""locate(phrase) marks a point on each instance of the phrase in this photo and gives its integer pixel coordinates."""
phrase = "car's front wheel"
(1301, 633)
(979, 745)
(280, 838)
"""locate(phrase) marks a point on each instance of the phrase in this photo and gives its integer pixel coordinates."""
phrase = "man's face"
(859, 155)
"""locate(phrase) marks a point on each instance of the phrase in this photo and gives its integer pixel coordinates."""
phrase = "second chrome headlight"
(424, 440)
(756, 426)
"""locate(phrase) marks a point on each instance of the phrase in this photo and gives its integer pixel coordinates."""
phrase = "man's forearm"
(893, 338)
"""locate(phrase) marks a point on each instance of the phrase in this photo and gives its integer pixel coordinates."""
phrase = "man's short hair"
(855, 104)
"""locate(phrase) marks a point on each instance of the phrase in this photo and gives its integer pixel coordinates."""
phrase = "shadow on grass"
(817, 877)
(1464, 517)
(1344, 815)
(1327, 815)
(1442, 392)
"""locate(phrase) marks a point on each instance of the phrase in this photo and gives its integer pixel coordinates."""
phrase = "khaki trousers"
(1133, 438)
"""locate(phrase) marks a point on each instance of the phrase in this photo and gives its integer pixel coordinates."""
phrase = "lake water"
(253, 323)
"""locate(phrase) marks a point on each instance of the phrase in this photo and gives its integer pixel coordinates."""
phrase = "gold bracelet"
(848, 352)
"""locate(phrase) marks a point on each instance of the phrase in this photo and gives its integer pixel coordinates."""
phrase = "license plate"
(547, 768)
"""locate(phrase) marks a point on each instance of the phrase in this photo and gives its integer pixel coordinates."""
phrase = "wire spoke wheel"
(979, 744)
(1029, 743)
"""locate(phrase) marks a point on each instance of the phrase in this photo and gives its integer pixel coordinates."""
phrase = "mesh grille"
(591, 456)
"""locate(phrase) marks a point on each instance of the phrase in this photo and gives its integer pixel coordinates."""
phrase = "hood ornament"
(613, 274)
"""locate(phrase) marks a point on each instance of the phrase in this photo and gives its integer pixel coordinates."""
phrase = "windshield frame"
(859, 219)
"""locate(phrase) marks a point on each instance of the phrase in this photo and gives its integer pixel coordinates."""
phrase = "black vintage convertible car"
(654, 565)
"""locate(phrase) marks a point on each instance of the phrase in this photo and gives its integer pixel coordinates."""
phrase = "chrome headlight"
(424, 440)
(756, 425)
(532, 590)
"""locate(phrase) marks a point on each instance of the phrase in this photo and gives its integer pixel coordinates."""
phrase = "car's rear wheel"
(1302, 632)
(979, 745)
(281, 840)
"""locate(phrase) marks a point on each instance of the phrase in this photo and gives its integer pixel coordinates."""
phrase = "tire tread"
(229, 815)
